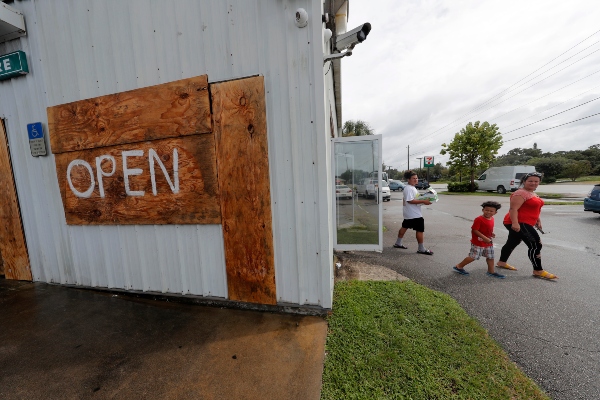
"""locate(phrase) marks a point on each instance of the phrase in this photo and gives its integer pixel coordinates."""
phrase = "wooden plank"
(12, 240)
(240, 127)
(157, 112)
(194, 201)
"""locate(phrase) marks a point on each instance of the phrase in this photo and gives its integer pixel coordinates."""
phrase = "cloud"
(428, 68)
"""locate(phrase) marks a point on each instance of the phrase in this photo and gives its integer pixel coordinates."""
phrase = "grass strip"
(549, 196)
(401, 340)
(473, 194)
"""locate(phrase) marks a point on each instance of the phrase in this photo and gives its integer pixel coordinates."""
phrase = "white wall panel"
(79, 49)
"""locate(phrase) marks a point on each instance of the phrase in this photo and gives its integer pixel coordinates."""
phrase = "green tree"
(551, 167)
(575, 169)
(473, 148)
(592, 154)
(357, 128)
(438, 171)
(518, 156)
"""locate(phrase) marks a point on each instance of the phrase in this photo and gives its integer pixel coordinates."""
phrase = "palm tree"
(357, 128)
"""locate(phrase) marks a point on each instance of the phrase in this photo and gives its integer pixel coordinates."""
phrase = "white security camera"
(301, 18)
(350, 39)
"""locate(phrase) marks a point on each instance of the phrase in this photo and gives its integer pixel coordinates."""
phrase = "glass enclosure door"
(356, 163)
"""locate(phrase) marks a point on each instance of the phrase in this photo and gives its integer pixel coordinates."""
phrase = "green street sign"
(428, 161)
(13, 64)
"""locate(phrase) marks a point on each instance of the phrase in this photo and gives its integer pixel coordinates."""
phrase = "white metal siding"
(79, 49)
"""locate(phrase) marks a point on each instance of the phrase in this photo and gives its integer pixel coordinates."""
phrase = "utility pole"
(408, 158)
(419, 158)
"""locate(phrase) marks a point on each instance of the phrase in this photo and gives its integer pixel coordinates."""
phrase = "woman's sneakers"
(460, 270)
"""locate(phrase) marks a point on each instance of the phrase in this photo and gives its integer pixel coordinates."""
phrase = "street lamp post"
(419, 158)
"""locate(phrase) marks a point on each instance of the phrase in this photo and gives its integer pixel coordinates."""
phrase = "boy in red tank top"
(482, 232)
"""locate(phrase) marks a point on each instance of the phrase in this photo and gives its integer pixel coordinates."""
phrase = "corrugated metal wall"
(80, 49)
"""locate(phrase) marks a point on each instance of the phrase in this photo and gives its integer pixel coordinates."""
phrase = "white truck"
(502, 179)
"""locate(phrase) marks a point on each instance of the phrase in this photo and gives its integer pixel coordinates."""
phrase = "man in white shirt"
(413, 219)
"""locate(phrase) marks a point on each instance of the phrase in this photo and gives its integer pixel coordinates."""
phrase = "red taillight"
(512, 183)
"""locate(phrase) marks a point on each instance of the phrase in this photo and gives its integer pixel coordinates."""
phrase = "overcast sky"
(426, 65)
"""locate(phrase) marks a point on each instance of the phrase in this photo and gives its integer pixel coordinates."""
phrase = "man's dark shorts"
(418, 224)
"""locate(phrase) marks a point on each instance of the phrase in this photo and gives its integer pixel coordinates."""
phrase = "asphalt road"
(550, 329)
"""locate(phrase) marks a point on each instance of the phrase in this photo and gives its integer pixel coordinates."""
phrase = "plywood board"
(157, 112)
(12, 240)
(239, 123)
(135, 197)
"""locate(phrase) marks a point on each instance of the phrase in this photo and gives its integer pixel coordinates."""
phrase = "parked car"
(396, 185)
(422, 184)
(385, 191)
(592, 201)
(343, 192)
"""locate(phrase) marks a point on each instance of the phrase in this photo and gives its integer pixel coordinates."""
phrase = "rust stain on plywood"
(13, 248)
(239, 120)
(186, 194)
(168, 110)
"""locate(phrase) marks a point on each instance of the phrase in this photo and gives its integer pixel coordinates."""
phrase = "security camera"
(352, 38)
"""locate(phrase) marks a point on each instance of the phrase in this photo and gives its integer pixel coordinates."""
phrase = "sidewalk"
(66, 343)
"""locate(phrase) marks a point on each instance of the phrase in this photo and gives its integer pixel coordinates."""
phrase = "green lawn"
(542, 195)
(357, 236)
(400, 340)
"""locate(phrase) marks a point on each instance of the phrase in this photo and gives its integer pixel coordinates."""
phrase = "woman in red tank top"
(521, 220)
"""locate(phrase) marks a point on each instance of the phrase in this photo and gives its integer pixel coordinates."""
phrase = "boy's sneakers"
(496, 275)
(460, 270)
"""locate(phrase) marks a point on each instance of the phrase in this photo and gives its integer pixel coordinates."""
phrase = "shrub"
(464, 186)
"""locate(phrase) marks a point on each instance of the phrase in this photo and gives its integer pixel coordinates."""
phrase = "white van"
(384, 176)
(367, 187)
(501, 179)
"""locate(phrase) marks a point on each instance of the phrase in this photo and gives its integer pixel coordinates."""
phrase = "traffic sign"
(37, 145)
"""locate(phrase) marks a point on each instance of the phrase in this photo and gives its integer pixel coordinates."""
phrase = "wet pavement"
(61, 342)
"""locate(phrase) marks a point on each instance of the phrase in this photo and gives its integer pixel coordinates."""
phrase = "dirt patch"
(347, 270)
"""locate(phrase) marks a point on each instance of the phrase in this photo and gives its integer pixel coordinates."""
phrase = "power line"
(554, 127)
(563, 61)
(548, 94)
(508, 89)
(477, 107)
(528, 87)
(569, 109)
(543, 111)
